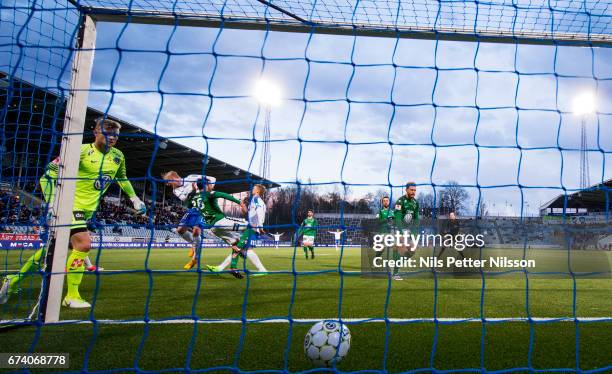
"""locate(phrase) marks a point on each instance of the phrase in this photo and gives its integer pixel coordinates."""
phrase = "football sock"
(306, 252)
(198, 247)
(87, 262)
(187, 235)
(225, 262)
(74, 275)
(234, 264)
(33, 261)
(252, 256)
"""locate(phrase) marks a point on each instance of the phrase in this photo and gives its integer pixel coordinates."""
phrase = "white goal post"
(72, 138)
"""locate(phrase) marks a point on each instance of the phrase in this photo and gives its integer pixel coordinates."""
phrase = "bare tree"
(483, 209)
(453, 198)
(427, 204)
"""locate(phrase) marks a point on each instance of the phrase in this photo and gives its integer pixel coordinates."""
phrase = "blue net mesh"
(580, 18)
(483, 129)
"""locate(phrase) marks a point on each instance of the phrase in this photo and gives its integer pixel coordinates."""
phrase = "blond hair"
(107, 123)
(262, 189)
(170, 175)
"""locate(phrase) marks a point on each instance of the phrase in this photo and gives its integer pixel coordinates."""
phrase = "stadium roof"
(35, 116)
(595, 197)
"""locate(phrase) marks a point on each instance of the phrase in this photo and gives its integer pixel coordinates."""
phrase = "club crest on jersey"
(90, 152)
(102, 182)
(117, 160)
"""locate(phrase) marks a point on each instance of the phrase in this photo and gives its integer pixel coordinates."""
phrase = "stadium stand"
(595, 201)
(34, 110)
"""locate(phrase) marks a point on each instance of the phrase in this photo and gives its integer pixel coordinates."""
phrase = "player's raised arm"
(182, 188)
(226, 196)
(49, 180)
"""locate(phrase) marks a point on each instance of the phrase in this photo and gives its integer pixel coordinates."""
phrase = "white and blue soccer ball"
(326, 343)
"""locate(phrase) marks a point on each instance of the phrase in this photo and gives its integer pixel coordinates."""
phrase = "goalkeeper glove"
(140, 207)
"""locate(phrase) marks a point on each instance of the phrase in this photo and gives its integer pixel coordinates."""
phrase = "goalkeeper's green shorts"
(79, 220)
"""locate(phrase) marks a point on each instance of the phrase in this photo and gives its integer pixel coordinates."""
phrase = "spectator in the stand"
(14, 212)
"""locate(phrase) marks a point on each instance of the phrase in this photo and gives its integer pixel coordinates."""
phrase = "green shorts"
(308, 240)
(80, 218)
(247, 235)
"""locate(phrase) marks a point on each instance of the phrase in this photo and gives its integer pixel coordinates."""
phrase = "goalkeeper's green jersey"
(96, 173)
(206, 203)
(308, 227)
(406, 212)
(384, 216)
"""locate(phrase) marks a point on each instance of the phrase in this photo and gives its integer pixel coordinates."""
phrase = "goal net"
(497, 112)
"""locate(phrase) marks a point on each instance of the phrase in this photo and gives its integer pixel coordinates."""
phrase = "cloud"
(194, 82)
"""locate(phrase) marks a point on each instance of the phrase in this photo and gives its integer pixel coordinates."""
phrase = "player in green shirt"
(384, 215)
(221, 226)
(385, 218)
(406, 217)
(100, 164)
(406, 212)
(198, 195)
(308, 228)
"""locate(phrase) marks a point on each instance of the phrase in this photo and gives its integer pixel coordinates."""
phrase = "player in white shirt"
(337, 238)
(256, 217)
(277, 237)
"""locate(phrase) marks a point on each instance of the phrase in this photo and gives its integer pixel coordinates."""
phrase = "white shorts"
(229, 229)
(308, 240)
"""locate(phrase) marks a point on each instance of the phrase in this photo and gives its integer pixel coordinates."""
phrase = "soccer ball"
(325, 345)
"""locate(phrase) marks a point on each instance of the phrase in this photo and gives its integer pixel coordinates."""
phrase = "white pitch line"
(314, 320)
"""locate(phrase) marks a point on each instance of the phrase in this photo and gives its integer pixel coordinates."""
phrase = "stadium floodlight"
(267, 92)
(585, 103)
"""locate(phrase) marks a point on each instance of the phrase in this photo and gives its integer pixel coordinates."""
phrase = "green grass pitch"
(167, 292)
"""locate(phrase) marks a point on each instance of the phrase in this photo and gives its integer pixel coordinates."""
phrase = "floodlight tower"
(584, 105)
(268, 95)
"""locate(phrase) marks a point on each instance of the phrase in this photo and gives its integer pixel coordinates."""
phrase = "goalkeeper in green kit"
(100, 164)
(405, 218)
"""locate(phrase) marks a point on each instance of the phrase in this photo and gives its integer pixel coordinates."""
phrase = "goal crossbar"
(349, 29)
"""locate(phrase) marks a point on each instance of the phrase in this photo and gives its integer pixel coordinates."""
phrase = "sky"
(349, 115)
